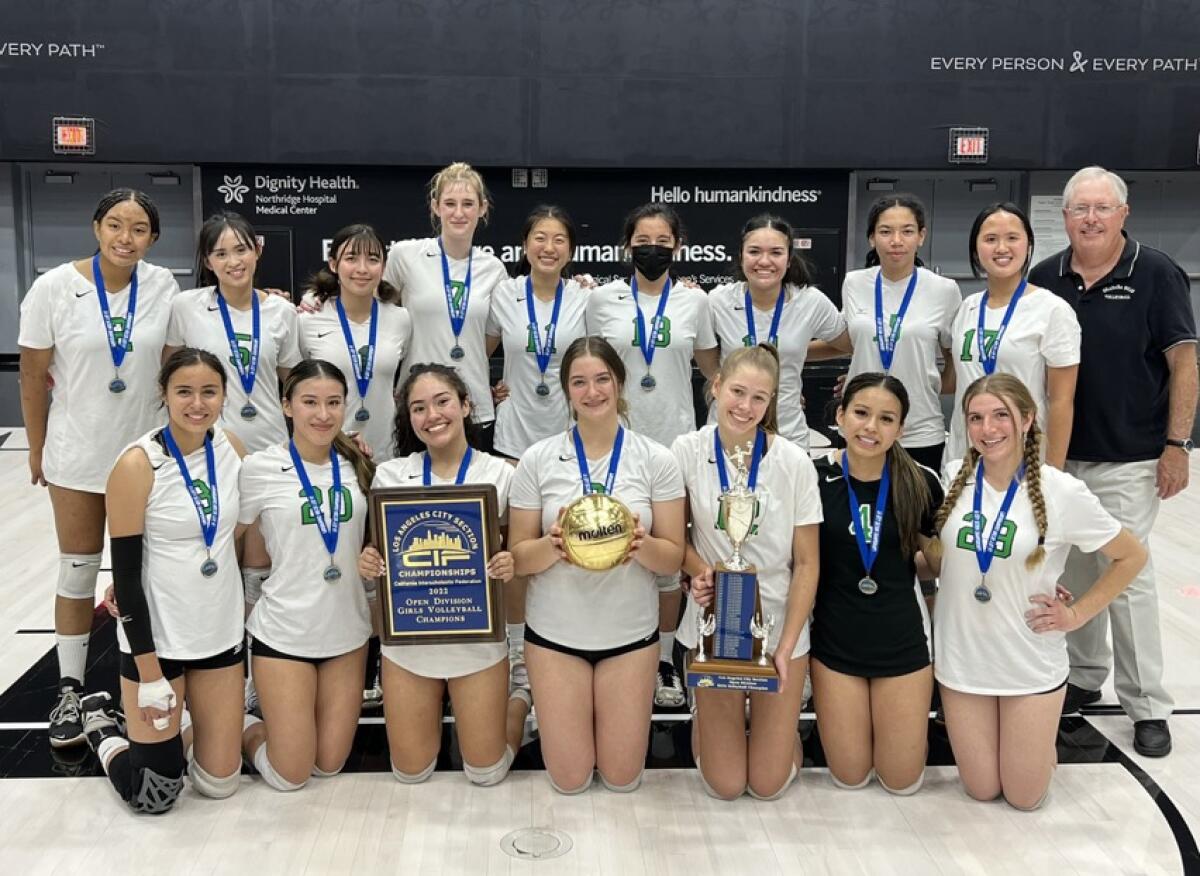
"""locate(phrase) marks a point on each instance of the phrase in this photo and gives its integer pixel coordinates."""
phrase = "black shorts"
(486, 437)
(592, 657)
(259, 648)
(172, 669)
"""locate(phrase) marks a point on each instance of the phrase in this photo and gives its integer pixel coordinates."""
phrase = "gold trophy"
(731, 652)
(597, 531)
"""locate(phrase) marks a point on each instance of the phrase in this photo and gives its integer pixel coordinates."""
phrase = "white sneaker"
(669, 691)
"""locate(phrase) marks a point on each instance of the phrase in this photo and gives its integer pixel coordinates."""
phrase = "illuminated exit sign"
(968, 146)
(74, 136)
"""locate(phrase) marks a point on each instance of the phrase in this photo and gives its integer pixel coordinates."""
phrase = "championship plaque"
(732, 633)
(436, 543)
(597, 531)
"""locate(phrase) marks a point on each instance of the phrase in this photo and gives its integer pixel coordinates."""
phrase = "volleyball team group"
(229, 440)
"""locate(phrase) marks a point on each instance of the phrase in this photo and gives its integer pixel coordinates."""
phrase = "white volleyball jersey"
(787, 497)
(191, 616)
(574, 606)
(1043, 333)
(666, 411)
(525, 417)
(448, 661)
(300, 612)
(89, 426)
(415, 268)
(321, 338)
(926, 329)
(987, 648)
(196, 322)
(807, 315)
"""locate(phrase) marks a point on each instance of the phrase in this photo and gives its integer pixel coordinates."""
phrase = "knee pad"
(1035, 806)
(414, 778)
(708, 789)
(904, 792)
(667, 583)
(490, 775)
(156, 775)
(262, 763)
(213, 786)
(568, 792)
(77, 575)
(623, 789)
(252, 583)
(319, 773)
(768, 797)
(845, 786)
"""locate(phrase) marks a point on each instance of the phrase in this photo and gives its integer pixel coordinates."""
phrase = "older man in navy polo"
(1135, 403)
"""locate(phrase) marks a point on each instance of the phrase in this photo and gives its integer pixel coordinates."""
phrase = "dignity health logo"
(234, 189)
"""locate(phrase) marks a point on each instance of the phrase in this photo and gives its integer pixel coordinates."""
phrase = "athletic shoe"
(373, 696)
(99, 718)
(1077, 697)
(252, 705)
(669, 691)
(1152, 738)
(66, 724)
(517, 673)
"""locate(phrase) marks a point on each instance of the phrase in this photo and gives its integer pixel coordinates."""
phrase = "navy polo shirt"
(1128, 320)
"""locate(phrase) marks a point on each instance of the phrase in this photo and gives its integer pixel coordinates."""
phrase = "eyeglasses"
(1102, 211)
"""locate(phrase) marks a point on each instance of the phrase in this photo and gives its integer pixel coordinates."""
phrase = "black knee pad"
(156, 775)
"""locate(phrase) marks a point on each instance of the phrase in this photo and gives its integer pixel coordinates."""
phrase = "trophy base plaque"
(723, 674)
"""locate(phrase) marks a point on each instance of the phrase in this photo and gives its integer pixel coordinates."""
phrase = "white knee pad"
(845, 786)
(252, 580)
(414, 778)
(77, 575)
(1035, 806)
(708, 789)
(623, 789)
(490, 775)
(905, 792)
(212, 786)
(262, 763)
(319, 773)
(569, 792)
(667, 583)
(791, 778)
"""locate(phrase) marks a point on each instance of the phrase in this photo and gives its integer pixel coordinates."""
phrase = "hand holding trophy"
(735, 624)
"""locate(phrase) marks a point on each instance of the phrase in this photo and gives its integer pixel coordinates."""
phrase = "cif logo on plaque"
(435, 545)
(731, 651)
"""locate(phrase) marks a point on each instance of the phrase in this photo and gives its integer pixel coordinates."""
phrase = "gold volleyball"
(597, 531)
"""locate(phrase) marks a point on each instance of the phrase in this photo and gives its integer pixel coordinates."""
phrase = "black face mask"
(652, 260)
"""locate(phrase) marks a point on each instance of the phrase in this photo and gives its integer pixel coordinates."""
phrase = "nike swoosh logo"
(157, 467)
(432, 255)
(212, 309)
(829, 479)
(413, 477)
(81, 294)
(75, 565)
(622, 297)
(522, 298)
(323, 334)
(566, 458)
(286, 467)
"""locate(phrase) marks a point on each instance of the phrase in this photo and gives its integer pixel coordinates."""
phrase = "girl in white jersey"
(360, 328)
(535, 315)
(1006, 527)
(93, 328)
(310, 627)
(173, 518)
(765, 760)
(898, 317)
(591, 637)
(446, 283)
(773, 301)
(1027, 331)
(658, 327)
(253, 333)
(433, 434)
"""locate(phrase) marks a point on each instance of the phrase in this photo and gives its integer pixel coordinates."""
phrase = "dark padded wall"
(577, 83)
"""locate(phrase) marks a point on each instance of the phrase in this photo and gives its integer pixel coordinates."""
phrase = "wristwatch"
(1184, 444)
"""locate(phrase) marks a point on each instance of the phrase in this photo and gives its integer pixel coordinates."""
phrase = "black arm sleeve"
(131, 599)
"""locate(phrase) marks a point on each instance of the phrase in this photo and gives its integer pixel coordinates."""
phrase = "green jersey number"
(306, 514)
(1008, 532)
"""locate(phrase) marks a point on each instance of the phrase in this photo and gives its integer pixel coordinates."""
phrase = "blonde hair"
(765, 358)
(458, 173)
(1014, 394)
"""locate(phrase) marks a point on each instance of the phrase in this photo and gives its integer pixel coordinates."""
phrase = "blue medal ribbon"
(363, 371)
(614, 460)
(868, 550)
(985, 551)
(543, 352)
(760, 447)
(329, 530)
(118, 351)
(989, 355)
(458, 315)
(647, 346)
(752, 330)
(460, 478)
(208, 523)
(248, 373)
(885, 340)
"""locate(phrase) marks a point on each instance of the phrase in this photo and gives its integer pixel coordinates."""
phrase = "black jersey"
(876, 635)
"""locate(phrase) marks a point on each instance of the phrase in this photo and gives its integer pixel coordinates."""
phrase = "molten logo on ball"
(597, 532)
